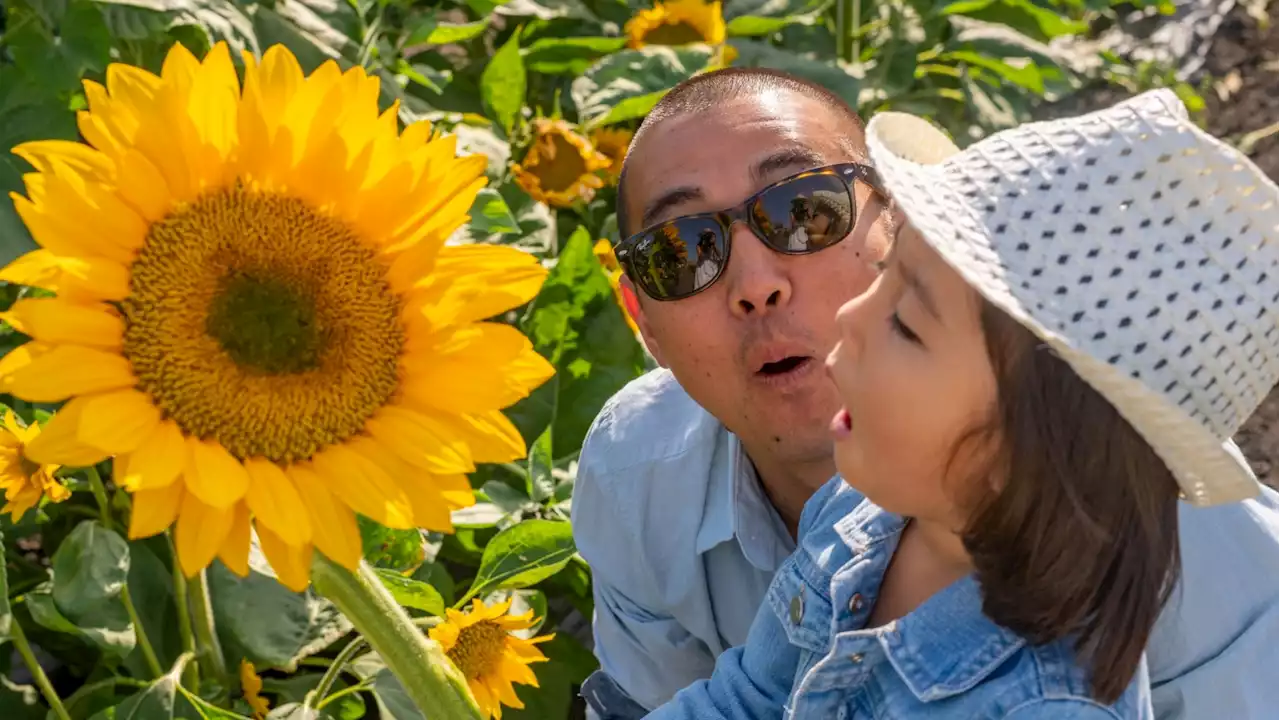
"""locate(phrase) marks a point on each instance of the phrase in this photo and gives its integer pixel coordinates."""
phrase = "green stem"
(100, 494)
(335, 669)
(348, 690)
(148, 652)
(427, 674)
(191, 673)
(85, 691)
(209, 649)
(37, 672)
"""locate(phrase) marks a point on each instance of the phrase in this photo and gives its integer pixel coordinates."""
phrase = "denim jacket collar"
(945, 646)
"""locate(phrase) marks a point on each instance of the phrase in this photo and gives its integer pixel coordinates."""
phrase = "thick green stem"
(209, 649)
(426, 673)
(100, 494)
(148, 652)
(42, 681)
(191, 672)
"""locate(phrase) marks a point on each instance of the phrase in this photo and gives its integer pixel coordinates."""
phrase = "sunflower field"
(308, 305)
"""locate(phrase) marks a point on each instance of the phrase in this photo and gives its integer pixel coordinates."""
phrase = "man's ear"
(631, 299)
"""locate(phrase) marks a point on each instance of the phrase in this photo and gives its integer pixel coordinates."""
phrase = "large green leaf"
(523, 555)
(90, 569)
(503, 84)
(387, 548)
(1020, 15)
(490, 216)
(20, 702)
(154, 703)
(568, 55)
(577, 324)
(28, 111)
(151, 587)
(753, 53)
(632, 73)
(266, 622)
(411, 593)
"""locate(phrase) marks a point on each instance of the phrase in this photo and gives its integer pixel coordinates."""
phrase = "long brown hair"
(1079, 540)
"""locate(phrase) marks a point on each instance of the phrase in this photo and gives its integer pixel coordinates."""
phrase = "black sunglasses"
(802, 214)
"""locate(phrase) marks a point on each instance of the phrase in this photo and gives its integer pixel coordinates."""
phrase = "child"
(1073, 320)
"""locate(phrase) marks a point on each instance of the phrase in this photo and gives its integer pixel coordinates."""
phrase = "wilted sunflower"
(613, 144)
(609, 261)
(560, 167)
(480, 643)
(678, 22)
(251, 688)
(23, 481)
(257, 315)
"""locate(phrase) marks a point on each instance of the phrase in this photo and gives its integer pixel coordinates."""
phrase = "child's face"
(913, 373)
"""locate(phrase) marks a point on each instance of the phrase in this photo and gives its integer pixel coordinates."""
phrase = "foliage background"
(482, 69)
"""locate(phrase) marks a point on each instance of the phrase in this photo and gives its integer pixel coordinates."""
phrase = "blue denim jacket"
(808, 656)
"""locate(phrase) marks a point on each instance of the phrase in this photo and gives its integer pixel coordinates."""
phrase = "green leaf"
(632, 73)
(411, 593)
(1026, 76)
(151, 587)
(90, 569)
(1019, 15)
(387, 548)
(568, 56)
(449, 33)
(752, 53)
(192, 707)
(264, 621)
(541, 483)
(20, 702)
(289, 692)
(577, 324)
(523, 555)
(292, 711)
(154, 703)
(755, 26)
(631, 108)
(568, 666)
(502, 84)
(491, 216)
(6, 612)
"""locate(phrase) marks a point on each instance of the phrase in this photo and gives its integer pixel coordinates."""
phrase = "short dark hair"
(1080, 541)
(703, 92)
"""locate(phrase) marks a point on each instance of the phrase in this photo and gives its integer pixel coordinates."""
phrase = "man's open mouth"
(784, 366)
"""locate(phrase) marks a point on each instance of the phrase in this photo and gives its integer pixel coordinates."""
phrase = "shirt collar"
(738, 509)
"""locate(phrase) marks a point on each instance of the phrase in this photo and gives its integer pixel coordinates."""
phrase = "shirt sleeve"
(1213, 652)
(642, 648)
(750, 682)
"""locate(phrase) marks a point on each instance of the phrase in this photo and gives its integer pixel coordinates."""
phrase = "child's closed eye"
(899, 327)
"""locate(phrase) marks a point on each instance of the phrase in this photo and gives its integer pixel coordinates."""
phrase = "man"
(691, 482)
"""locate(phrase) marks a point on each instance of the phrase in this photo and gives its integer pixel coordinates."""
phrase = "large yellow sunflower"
(480, 643)
(23, 481)
(613, 143)
(678, 22)
(256, 313)
(609, 261)
(561, 165)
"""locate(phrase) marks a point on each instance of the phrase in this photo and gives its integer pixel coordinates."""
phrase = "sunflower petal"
(363, 486)
(63, 371)
(38, 268)
(202, 529)
(56, 320)
(477, 368)
(48, 155)
(234, 552)
(420, 440)
(275, 502)
(291, 563)
(154, 510)
(157, 462)
(213, 475)
(446, 634)
(59, 442)
(118, 421)
(333, 525)
(431, 507)
(475, 282)
(510, 666)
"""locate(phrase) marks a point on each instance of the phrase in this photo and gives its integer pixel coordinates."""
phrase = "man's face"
(750, 348)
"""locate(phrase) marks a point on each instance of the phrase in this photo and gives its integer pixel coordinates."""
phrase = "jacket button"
(856, 658)
(855, 602)
(797, 608)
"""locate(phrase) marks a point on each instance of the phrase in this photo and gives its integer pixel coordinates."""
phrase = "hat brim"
(908, 153)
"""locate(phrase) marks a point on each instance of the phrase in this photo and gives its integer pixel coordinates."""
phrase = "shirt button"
(797, 608)
(856, 658)
(855, 602)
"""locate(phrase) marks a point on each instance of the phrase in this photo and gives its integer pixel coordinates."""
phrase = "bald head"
(714, 92)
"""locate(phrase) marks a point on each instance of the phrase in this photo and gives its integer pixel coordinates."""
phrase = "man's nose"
(758, 281)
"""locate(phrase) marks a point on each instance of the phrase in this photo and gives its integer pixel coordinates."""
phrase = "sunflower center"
(264, 323)
(677, 33)
(560, 163)
(259, 322)
(479, 648)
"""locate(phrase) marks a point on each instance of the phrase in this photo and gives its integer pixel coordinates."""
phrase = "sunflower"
(251, 688)
(678, 22)
(604, 253)
(256, 314)
(480, 643)
(560, 167)
(23, 481)
(613, 144)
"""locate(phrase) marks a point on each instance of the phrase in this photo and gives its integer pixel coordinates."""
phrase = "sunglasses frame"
(848, 172)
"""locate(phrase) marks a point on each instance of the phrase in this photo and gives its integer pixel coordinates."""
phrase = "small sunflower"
(256, 313)
(251, 688)
(613, 144)
(480, 643)
(604, 253)
(678, 22)
(560, 167)
(23, 481)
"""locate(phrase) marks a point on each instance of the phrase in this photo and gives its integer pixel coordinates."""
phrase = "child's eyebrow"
(921, 290)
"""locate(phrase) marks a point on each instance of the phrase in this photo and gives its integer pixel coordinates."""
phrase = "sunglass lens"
(679, 258)
(806, 214)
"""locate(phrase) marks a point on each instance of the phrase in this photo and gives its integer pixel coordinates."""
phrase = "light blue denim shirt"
(808, 655)
(683, 546)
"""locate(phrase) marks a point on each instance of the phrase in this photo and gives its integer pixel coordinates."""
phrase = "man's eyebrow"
(798, 157)
(671, 198)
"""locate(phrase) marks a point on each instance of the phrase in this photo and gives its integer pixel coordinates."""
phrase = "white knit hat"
(1139, 248)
